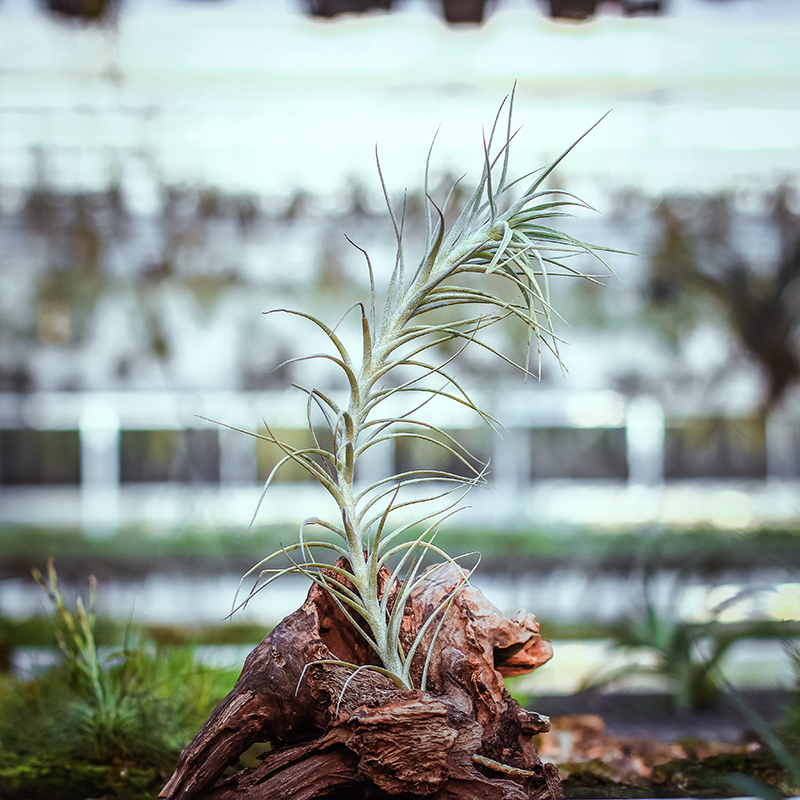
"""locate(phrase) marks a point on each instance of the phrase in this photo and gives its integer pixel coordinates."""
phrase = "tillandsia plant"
(499, 232)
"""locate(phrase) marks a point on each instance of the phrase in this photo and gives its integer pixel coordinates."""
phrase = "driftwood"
(337, 733)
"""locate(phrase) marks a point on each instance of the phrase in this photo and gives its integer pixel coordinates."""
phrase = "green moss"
(53, 778)
(591, 779)
(712, 777)
(715, 776)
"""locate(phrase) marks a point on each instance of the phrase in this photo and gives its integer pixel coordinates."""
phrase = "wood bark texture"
(338, 734)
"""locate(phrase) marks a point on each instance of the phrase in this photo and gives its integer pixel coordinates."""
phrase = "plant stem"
(372, 366)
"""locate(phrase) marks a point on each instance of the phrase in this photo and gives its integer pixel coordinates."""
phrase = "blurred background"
(170, 169)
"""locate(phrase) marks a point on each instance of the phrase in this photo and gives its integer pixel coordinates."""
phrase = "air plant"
(499, 232)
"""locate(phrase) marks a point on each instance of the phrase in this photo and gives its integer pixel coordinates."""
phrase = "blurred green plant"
(782, 739)
(688, 655)
(133, 706)
(789, 728)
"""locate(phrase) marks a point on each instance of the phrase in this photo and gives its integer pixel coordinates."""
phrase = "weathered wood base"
(335, 734)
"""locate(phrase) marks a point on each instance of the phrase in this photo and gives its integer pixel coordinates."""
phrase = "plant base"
(334, 732)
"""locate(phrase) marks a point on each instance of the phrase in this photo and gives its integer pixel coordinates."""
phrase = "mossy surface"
(53, 778)
(588, 784)
(593, 779)
(715, 776)
(711, 777)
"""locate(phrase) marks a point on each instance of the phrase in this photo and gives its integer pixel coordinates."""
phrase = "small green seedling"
(458, 290)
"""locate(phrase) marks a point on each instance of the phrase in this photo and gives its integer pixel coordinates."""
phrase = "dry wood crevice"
(335, 734)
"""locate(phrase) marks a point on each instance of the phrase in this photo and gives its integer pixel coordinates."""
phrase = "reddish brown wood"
(335, 734)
